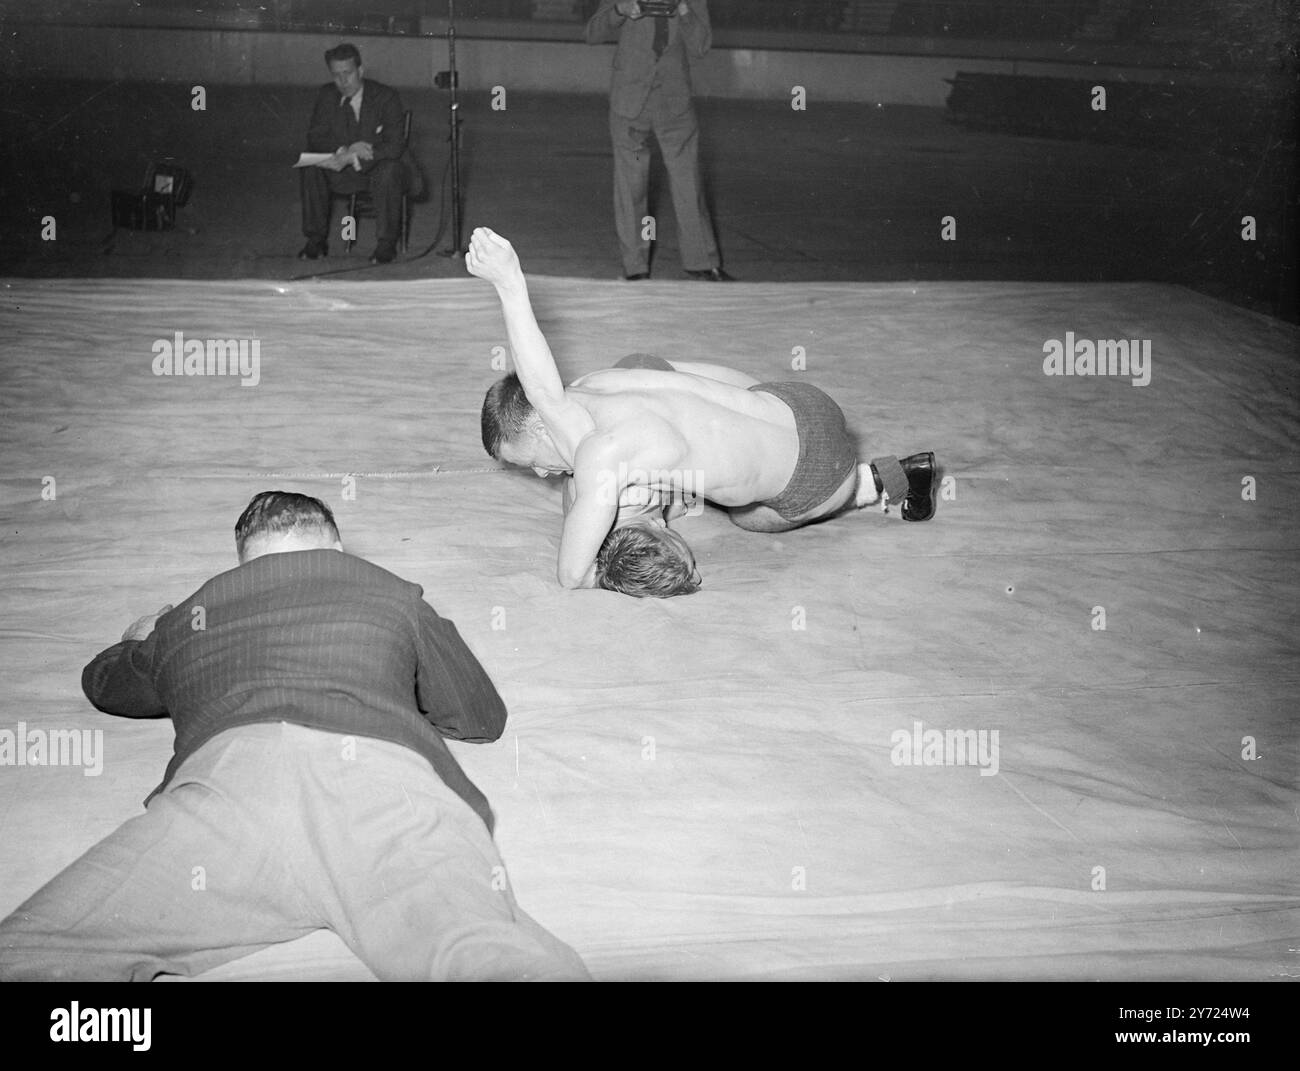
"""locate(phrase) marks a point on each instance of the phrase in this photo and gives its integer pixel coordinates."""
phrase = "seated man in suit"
(776, 456)
(310, 787)
(359, 121)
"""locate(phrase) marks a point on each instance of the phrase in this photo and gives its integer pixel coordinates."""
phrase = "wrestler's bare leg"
(715, 371)
(866, 493)
(760, 518)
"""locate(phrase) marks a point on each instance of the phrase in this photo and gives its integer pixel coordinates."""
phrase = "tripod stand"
(449, 79)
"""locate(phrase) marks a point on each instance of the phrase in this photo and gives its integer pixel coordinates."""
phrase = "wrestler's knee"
(760, 518)
(644, 360)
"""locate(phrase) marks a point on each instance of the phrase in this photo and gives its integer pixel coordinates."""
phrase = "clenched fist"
(491, 257)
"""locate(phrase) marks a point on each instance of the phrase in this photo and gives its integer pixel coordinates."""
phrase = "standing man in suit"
(651, 93)
(310, 786)
(359, 121)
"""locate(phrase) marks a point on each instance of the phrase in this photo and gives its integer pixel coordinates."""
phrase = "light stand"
(448, 79)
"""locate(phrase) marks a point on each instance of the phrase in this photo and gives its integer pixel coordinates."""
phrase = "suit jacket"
(636, 71)
(382, 117)
(317, 638)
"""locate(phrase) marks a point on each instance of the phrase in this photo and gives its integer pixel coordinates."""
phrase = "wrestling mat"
(1050, 734)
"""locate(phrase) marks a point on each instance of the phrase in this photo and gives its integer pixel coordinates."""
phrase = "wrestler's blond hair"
(636, 562)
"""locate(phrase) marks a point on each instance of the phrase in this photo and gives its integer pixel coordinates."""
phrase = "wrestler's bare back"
(732, 445)
(739, 447)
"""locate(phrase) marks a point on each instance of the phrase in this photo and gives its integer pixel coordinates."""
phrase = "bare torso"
(679, 431)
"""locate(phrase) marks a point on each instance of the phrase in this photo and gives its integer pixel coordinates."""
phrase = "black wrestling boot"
(919, 503)
(910, 480)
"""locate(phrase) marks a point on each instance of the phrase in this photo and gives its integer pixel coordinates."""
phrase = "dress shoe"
(919, 503)
(385, 253)
(636, 276)
(711, 275)
(314, 249)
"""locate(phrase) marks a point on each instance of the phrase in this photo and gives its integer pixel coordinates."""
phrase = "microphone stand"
(454, 136)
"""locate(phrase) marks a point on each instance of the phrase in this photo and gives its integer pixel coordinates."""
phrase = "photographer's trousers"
(678, 137)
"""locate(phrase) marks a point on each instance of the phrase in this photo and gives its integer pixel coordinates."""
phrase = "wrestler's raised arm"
(492, 258)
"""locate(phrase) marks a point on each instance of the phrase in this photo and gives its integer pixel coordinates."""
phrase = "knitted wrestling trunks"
(827, 453)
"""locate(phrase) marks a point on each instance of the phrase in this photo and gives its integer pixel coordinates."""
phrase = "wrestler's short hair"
(344, 51)
(276, 512)
(506, 410)
(636, 562)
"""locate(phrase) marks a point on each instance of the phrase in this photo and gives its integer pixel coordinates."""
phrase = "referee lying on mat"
(310, 786)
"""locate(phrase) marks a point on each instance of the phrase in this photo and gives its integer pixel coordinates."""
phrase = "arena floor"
(714, 787)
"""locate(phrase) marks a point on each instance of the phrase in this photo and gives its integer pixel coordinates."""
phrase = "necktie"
(661, 37)
(349, 119)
